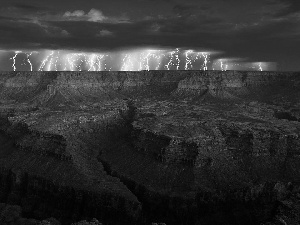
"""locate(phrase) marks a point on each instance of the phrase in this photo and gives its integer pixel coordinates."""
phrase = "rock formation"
(179, 147)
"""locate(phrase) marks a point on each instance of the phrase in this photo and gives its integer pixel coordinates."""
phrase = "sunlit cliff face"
(124, 60)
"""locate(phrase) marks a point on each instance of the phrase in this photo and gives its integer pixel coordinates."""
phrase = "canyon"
(174, 147)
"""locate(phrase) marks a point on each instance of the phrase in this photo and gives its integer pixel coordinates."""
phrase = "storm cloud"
(267, 30)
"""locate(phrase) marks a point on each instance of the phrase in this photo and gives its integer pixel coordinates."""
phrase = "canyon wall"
(74, 87)
(50, 175)
(170, 143)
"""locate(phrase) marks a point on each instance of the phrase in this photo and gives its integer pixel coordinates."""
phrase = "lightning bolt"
(177, 58)
(158, 59)
(260, 67)
(124, 63)
(147, 62)
(196, 56)
(45, 61)
(139, 59)
(56, 61)
(14, 59)
(28, 60)
(151, 55)
(51, 61)
(91, 62)
(188, 61)
(127, 63)
(170, 63)
(205, 61)
(71, 61)
(223, 66)
(99, 60)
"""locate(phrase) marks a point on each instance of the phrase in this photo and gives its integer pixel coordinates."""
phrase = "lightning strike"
(205, 61)
(45, 61)
(14, 59)
(133, 60)
(170, 63)
(91, 62)
(188, 61)
(56, 61)
(50, 63)
(177, 58)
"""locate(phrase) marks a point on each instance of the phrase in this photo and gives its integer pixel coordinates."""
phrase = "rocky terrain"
(174, 147)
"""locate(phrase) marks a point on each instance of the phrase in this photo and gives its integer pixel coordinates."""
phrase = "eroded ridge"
(172, 146)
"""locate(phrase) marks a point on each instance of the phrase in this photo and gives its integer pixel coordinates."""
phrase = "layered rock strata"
(190, 147)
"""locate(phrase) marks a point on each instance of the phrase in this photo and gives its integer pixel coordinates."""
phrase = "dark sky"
(259, 30)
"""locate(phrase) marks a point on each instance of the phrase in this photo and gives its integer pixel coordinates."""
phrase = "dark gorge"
(174, 147)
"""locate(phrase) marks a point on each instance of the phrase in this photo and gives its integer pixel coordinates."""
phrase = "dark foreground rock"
(174, 147)
(40, 173)
(12, 215)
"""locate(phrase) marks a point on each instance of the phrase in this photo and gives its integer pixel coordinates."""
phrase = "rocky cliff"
(74, 87)
(183, 147)
(46, 173)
